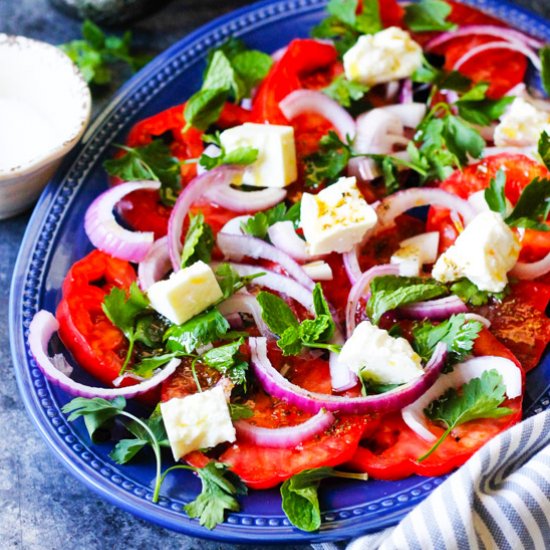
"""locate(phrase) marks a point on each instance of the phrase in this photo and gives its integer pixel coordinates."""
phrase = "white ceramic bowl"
(45, 106)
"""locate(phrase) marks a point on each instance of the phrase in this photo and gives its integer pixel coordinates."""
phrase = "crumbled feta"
(484, 253)
(388, 55)
(198, 421)
(186, 293)
(336, 219)
(375, 355)
(276, 162)
(521, 125)
(318, 271)
(416, 251)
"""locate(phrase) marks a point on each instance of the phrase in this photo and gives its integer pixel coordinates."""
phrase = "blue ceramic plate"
(55, 239)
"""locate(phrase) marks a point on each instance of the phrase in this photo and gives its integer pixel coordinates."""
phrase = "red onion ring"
(514, 46)
(479, 318)
(360, 288)
(104, 231)
(278, 386)
(372, 129)
(413, 414)
(406, 92)
(196, 188)
(301, 102)
(233, 226)
(351, 265)
(245, 303)
(410, 114)
(287, 437)
(400, 202)
(442, 308)
(155, 265)
(41, 329)
(244, 201)
(236, 247)
(504, 33)
(532, 270)
(283, 236)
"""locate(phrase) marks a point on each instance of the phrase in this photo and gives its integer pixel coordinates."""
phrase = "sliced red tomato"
(520, 171)
(97, 345)
(391, 13)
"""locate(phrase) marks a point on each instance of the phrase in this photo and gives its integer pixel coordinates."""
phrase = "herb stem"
(195, 377)
(128, 355)
(350, 475)
(436, 444)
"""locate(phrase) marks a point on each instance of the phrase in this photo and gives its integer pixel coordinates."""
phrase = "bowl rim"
(35, 163)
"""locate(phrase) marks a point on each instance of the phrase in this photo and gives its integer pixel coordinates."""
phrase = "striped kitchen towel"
(500, 499)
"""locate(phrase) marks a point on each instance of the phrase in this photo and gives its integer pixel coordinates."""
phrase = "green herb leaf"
(219, 489)
(321, 308)
(533, 206)
(148, 365)
(149, 162)
(204, 107)
(230, 281)
(544, 148)
(476, 108)
(544, 54)
(199, 241)
(480, 398)
(276, 313)
(440, 78)
(428, 15)
(391, 291)
(221, 75)
(199, 331)
(461, 139)
(494, 194)
(470, 294)
(227, 360)
(242, 156)
(240, 412)
(344, 91)
(456, 332)
(252, 66)
(260, 222)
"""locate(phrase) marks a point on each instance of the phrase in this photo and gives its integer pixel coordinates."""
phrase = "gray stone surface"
(41, 506)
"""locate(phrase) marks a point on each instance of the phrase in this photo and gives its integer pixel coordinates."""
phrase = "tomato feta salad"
(264, 283)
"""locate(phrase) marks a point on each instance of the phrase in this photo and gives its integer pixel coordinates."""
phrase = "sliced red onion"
(233, 226)
(104, 231)
(342, 378)
(319, 271)
(236, 247)
(278, 386)
(492, 151)
(479, 318)
(351, 265)
(413, 414)
(301, 102)
(504, 33)
(393, 206)
(245, 201)
(533, 270)
(406, 92)
(127, 376)
(245, 303)
(284, 237)
(196, 188)
(410, 114)
(366, 169)
(442, 308)
(373, 129)
(392, 89)
(287, 437)
(514, 46)
(155, 265)
(41, 329)
(360, 288)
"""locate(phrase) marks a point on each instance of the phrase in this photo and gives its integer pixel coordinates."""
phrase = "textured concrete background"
(41, 506)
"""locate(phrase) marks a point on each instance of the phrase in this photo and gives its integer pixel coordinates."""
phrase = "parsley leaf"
(241, 155)
(533, 206)
(453, 80)
(456, 332)
(428, 15)
(123, 312)
(230, 281)
(240, 412)
(480, 398)
(329, 162)
(476, 108)
(494, 194)
(96, 51)
(149, 162)
(226, 359)
(344, 91)
(219, 488)
(198, 331)
(470, 294)
(258, 224)
(544, 148)
(199, 241)
(544, 54)
(391, 291)
(461, 139)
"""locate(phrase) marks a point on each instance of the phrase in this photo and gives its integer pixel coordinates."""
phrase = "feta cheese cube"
(390, 54)
(186, 293)
(197, 421)
(276, 162)
(484, 253)
(376, 356)
(521, 125)
(336, 219)
(416, 251)
(318, 271)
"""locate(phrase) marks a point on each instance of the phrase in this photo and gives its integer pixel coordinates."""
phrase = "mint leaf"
(533, 206)
(456, 332)
(199, 331)
(344, 91)
(199, 242)
(230, 281)
(252, 66)
(290, 342)
(391, 291)
(544, 55)
(369, 21)
(428, 15)
(321, 308)
(276, 313)
(204, 107)
(221, 75)
(242, 156)
(494, 194)
(470, 294)
(149, 162)
(344, 10)
(480, 398)
(219, 489)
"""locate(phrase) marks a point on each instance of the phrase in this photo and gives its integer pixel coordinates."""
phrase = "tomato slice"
(520, 171)
(97, 345)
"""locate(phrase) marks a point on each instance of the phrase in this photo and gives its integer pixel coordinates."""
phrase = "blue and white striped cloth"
(500, 499)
